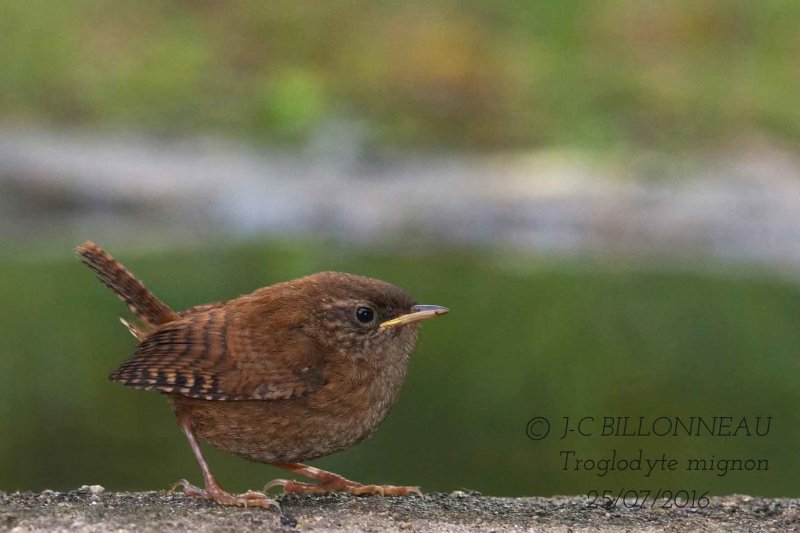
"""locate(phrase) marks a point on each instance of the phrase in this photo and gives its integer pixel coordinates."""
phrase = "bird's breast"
(345, 411)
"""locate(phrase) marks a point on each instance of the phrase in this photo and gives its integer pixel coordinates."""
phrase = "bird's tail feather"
(119, 279)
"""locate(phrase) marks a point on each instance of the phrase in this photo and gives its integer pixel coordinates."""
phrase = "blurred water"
(739, 204)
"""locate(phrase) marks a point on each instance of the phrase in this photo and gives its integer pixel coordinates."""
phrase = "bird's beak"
(418, 312)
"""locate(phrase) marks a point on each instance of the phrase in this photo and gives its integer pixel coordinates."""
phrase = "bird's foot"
(215, 493)
(336, 483)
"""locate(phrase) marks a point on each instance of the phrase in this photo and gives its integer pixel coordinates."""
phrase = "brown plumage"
(290, 372)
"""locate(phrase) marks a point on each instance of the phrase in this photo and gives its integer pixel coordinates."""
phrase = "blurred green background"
(592, 334)
(480, 74)
(525, 338)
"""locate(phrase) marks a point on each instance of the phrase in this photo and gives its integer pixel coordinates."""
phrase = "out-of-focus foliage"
(479, 73)
(524, 338)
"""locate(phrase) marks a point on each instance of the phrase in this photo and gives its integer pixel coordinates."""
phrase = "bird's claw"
(383, 490)
(340, 485)
(216, 494)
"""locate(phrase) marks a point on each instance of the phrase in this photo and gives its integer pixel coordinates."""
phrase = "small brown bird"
(290, 372)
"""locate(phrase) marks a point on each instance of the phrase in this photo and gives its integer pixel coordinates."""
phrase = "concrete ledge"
(91, 509)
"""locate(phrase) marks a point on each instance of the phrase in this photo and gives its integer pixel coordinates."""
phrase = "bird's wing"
(221, 353)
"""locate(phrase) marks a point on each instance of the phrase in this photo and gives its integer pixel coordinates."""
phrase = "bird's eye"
(365, 314)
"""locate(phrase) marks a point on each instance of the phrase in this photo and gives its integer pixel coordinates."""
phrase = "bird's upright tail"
(144, 304)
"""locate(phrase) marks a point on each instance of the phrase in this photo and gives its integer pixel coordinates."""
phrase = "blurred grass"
(542, 339)
(475, 74)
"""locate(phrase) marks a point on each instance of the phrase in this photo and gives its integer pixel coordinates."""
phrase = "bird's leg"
(212, 490)
(330, 482)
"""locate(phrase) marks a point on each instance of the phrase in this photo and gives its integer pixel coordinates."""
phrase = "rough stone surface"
(96, 510)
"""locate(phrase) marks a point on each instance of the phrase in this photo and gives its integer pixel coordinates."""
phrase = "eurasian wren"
(290, 372)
